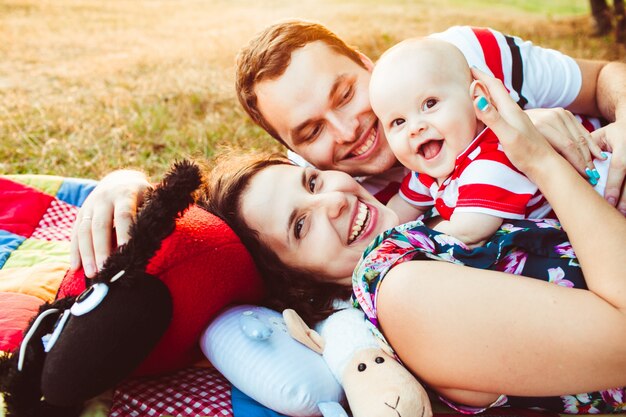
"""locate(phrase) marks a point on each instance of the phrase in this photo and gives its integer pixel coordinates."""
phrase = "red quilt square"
(21, 207)
(56, 223)
(189, 392)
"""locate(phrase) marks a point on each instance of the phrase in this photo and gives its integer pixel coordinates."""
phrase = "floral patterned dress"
(533, 248)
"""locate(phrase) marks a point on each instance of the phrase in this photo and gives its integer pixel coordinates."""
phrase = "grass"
(87, 86)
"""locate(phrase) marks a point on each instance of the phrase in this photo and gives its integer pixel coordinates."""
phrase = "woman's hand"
(111, 205)
(567, 136)
(612, 138)
(525, 146)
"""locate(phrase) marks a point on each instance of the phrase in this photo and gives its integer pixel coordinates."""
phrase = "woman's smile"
(324, 223)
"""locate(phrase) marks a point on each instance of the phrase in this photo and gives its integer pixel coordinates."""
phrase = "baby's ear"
(478, 88)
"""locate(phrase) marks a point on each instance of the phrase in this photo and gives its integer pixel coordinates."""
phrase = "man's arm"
(105, 219)
(603, 90)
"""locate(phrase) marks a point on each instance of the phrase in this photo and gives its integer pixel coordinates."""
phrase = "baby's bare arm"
(473, 229)
(405, 211)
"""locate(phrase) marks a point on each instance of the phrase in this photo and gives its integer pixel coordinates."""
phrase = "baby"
(423, 93)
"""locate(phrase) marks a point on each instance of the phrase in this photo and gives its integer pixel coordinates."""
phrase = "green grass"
(88, 86)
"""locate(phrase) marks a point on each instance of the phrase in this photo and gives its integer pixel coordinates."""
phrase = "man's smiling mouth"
(360, 222)
(367, 145)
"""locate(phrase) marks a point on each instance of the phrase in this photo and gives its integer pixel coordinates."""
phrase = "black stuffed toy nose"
(96, 350)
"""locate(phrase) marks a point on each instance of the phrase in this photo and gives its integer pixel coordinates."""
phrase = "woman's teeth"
(359, 222)
(367, 145)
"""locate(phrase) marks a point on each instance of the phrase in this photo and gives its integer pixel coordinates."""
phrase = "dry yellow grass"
(89, 85)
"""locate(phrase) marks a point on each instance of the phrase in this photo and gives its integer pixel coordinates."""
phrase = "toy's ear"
(302, 333)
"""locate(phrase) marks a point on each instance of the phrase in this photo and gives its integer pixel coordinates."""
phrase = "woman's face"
(320, 221)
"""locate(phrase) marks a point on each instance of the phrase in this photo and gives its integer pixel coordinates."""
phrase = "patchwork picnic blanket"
(36, 217)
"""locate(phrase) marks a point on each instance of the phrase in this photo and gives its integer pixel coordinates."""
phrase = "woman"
(470, 334)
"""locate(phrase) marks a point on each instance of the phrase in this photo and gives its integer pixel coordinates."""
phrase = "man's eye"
(297, 230)
(397, 122)
(347, 95)
(314, 133)
(429, 103)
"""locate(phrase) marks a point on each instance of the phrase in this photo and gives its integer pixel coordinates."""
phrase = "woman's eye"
(297, 230)
(429, 103)
(397, 122)
(312, 182)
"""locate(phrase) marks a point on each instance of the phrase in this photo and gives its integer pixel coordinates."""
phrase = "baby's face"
(428, 116)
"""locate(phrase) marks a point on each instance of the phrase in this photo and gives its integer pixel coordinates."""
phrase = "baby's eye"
(429, 103)
(397, 122)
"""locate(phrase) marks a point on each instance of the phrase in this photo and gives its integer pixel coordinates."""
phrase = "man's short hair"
(268, 55)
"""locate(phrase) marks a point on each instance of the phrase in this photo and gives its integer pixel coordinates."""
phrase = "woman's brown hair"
(287, 287)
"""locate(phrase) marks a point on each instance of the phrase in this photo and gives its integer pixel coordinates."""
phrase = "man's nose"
(343, 127)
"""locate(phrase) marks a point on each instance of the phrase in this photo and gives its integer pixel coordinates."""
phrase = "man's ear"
(478, 88)
(369, 65)
(302, 333)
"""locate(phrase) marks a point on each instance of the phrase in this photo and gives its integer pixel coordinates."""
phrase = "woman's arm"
(110, 208)
(596, 230)
(473, 333)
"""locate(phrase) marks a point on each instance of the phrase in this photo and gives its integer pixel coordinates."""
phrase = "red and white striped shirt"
(483, 181)
(536, 77)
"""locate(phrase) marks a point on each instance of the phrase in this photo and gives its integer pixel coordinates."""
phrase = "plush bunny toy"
(376, 385)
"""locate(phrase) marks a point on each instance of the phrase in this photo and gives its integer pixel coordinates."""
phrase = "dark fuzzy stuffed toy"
(103, 334)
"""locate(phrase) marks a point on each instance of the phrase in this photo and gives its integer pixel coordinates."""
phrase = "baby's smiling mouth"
(361, 220)
(430, 148)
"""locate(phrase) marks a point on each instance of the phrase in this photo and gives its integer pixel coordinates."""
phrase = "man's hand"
(111, 205)
(567, 136)
(612, 138)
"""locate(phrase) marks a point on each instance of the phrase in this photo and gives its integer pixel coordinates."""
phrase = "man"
(309, 90)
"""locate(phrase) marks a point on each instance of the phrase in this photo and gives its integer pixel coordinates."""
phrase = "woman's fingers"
(612, 138)
(565, 134)
(522, 142)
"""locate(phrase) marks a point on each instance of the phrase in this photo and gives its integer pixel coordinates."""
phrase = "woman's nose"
(332, 202)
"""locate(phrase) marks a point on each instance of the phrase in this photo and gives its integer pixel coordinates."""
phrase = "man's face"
(320, 108)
